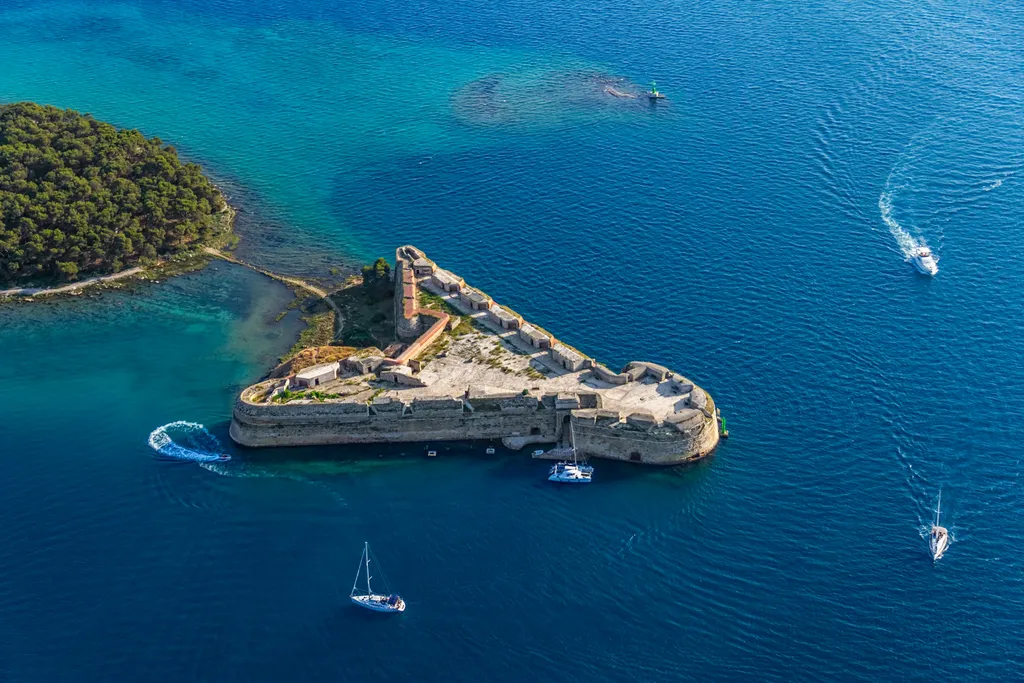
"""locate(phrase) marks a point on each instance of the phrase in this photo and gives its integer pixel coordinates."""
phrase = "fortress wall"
(300, 413)
(387, 409)
(645, 447)
(436, 407)
(443, 419)
(307, 429)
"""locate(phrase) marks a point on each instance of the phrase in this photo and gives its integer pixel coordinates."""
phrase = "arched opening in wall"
(534, 431)
(635, 457)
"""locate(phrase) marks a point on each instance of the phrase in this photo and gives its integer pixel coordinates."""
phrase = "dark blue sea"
(750, 231)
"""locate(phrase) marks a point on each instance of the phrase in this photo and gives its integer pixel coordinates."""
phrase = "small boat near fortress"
(565, 472)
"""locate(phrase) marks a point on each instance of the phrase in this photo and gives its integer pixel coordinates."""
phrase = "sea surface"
(750, 231)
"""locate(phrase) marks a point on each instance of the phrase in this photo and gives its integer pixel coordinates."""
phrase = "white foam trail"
(904, 239)
(199, 445)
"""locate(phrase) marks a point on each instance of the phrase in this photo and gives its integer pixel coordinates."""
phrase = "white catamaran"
(938, 540)
(566, 472)
(378, 602)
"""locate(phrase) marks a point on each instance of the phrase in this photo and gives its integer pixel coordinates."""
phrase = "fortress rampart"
(598, 433)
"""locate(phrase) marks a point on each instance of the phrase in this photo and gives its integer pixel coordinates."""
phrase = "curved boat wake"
(194, 443)
(907, 243)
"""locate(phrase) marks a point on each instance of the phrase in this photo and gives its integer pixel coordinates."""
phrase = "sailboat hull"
(377, 603)
(939, 541)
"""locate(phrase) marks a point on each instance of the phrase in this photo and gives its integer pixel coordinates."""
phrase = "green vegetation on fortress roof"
(80, 196)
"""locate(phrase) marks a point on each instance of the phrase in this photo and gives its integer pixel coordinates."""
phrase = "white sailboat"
(566, 472)
(938, 539)
(378, 602)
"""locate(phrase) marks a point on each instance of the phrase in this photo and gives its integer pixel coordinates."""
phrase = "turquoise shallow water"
(750, 234)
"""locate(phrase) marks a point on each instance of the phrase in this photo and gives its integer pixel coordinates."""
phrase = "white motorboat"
(378, 602)
(925, 261)
(490, 450)
(938, 539)
(431, 454)
(566, 472)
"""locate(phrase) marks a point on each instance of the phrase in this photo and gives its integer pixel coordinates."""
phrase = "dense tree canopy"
(377, 277)
(78, 195)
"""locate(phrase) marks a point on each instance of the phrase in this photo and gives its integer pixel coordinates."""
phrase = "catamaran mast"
(572, 435)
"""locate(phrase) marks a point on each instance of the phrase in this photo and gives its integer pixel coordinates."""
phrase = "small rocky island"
(469, 368)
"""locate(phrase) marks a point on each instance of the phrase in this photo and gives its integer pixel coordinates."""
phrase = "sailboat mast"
(366, 551)
(938, 508)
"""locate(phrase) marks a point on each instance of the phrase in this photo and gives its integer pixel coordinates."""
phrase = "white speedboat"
(378, 602)
(925, 261)
(938, 539)
(490, 450)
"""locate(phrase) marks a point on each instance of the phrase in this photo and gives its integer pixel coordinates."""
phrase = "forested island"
(78, 196)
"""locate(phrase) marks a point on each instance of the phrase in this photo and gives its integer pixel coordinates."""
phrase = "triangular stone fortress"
(474, 369)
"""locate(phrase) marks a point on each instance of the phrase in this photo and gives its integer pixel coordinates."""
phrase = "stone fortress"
(479, 372)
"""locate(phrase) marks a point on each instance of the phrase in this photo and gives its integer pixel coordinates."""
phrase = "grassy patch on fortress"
(319, 396)
(465, 325)
(433, 301)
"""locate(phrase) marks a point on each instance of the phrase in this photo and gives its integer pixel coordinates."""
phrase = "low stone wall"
(606, 375)
(641, 368)
(427, 338)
